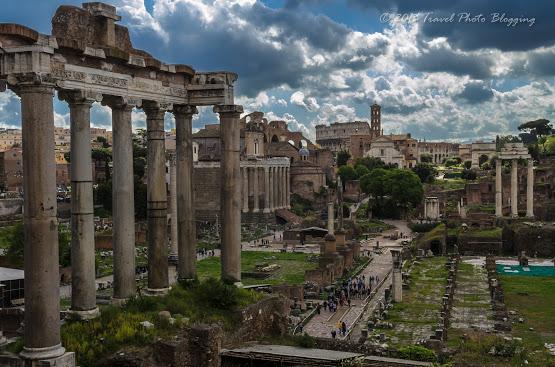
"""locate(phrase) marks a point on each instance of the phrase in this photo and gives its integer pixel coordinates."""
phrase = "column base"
(44, 353)
(119, 301)
(266, 210)
(238, 284)
(529, 215)
(156, 292)
(244, 210)
(85, 315)
(65, 360)
(514, 216)
(256, 210)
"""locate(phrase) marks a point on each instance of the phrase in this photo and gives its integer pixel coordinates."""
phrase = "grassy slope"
(293, 266)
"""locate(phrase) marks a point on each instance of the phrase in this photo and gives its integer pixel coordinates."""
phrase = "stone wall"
(265, 318)
(538, 241)
(206, 183)
(10, 207)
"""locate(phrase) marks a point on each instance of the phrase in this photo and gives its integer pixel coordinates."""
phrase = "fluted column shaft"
(279, 178)
(288, 186)
(42, 289)
(186, 230)
(172, 203)
(530, 190)
(498, 189)
(230, 192)
(83, 285)
(123, 205)
(271, 190)
(266, 189)
(245, 188)
(256, 190)
(284, 187)
(157, 201)
(514, 188)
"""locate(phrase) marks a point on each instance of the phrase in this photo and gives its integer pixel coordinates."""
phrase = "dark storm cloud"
(475, 93)
(541, 63)
(219, 45)
(445, 60)
(472, 36)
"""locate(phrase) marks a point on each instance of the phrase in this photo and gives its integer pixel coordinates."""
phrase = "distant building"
(11, 170)
(10, 138)
(482, 148)
(439, 151)
(383, 148)
(353, 136)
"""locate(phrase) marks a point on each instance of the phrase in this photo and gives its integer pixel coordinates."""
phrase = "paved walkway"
(322, 325)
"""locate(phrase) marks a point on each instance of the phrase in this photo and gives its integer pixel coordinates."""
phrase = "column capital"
(153, 110)
(184, 110)
(31, 83)
(121, 103)
(231, 109)
(73, 97)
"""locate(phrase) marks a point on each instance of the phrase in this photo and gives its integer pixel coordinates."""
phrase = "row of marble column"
(42, 292)
(514, 189)
(276, 183)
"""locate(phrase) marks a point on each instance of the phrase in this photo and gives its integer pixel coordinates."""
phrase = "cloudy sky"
(456, 70)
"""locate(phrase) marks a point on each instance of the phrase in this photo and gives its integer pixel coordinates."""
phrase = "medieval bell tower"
(375, 120)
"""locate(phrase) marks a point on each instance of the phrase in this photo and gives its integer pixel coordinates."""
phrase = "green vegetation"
(533, 298)
(394, 191)
(11, 239)
(416, 317)
(425, 171)
(342, 158)
(291, 271)
(301, 206)
(417, 353)
(451, 184)
(492, 233)
(423, 227)
(209, 301)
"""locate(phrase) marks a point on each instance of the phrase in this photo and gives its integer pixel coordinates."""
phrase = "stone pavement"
(322, 325)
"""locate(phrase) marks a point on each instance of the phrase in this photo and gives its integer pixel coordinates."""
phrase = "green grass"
(421, 303)
(291, 271)
(116, 328)
(493, 233)
(451, 183)
(4, 236)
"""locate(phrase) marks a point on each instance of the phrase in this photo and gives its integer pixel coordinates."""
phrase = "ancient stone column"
(288, 187)
(186, 226)
(266, 189)
(230, 192)
(396, 276)
(123, 205)
(530, 190)
(172, 203)
(41, 339)
(514, 188)
(284, 187)
(331, 225)
(255, 190)
(280, 187)
(83, 275)
(245, 189)
(498, 189)
(157, 201)
(271, 188)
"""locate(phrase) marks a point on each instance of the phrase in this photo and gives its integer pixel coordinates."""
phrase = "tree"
(103, 155)
(500, 141)
(468, 174)
(370, 163)
(467, 164)
(549, 145)
(482, 159)
(374, 184)
(347, 173)
(16, 237)
(342, 158)
(103, 140)
(405, 188)
(539, 127)
(426, 158)
(425, 171)
(361, 170)
(452, 161)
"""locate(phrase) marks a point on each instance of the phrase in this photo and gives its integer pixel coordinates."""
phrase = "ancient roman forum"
(514, 152)
(90, 58)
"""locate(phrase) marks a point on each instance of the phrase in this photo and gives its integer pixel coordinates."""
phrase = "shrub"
(304, 341)
(468, 174)
(417, 353)
(423, 227)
